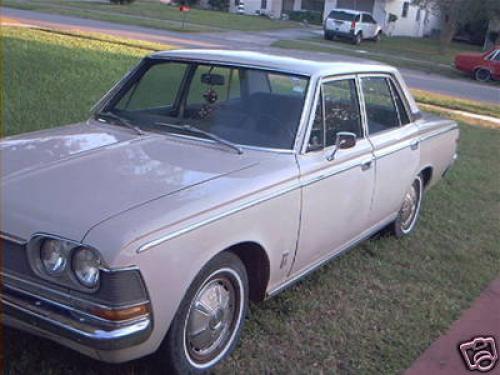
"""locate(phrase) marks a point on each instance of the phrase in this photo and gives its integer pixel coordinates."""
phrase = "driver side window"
(337, 111)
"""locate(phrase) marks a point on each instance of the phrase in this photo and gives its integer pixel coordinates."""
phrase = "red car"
(484, 66)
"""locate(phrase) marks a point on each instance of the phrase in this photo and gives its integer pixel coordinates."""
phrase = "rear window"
(342, 16)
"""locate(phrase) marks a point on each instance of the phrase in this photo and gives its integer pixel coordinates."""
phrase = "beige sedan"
(205, 179)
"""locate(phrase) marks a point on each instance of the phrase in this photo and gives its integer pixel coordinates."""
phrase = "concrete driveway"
(256, 41)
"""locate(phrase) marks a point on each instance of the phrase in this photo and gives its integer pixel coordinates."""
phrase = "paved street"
(256, 41)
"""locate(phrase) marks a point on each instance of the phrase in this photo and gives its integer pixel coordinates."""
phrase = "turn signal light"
(122, 314)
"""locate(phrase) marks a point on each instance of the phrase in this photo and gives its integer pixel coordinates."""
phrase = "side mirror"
(344, 140)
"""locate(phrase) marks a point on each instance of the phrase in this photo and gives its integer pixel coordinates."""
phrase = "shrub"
(219, 4)
(306, 15)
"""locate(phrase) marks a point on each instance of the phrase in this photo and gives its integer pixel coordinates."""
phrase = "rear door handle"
(414, 145)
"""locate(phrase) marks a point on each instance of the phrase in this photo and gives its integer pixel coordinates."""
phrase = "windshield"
(240, 105)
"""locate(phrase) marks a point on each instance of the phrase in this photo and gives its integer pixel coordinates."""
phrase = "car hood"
(67, 180)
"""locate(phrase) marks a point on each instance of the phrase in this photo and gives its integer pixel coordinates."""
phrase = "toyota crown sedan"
(202, 180)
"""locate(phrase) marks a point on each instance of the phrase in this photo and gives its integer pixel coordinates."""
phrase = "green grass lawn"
(373, 311)
(153, 14)
(414, 53)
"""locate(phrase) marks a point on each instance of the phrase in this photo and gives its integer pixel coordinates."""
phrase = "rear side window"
(342, 16)
(381, 111)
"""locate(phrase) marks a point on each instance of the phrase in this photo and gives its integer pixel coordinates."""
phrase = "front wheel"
(209, 321)
(410, 209)
(482, 75)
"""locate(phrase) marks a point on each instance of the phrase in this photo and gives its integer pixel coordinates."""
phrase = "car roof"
(277, 63)
(352, 11)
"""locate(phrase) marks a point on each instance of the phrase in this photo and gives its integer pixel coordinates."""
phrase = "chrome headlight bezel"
(66, 276)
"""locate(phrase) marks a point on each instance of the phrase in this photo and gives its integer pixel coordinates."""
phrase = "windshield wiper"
(122, 121)
(194, 129)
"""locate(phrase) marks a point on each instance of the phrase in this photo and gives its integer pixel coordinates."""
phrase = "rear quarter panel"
(438, 144)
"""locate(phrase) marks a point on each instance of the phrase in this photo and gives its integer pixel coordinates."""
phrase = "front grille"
(14, 258)
(117, 288)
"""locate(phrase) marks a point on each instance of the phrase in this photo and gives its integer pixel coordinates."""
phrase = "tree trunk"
(448, 32)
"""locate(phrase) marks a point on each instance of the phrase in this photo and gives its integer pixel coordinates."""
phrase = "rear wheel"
(410, 209)
(209, 321)
(328, 35)
(482, 75)
(357, 39)
(378, 37)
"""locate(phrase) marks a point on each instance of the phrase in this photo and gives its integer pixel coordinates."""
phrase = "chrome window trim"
(108, 97)
(310, 120)
(491, 56)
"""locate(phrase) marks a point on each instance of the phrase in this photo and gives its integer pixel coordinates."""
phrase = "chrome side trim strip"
(388, 153)
(439, 132)
(147, 246)
(322, 262)
(192, 227)
(330, 174)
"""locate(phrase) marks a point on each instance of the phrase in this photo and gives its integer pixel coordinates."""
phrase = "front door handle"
(414, 145)
(366, 165)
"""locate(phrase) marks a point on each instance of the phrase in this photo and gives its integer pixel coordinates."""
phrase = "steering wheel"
(275, 123)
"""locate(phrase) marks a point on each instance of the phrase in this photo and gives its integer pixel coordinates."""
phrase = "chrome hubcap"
(409, 209)
(211, 319)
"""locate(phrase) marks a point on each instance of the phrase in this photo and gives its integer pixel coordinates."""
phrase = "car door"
(366, 26)
(336, 193)
(395, 144)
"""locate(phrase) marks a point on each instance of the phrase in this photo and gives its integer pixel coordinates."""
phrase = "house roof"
(272, 62)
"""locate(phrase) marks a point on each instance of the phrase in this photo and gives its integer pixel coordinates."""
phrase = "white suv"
(352, 24)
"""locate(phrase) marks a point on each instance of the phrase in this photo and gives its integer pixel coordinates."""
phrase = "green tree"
(456, 13)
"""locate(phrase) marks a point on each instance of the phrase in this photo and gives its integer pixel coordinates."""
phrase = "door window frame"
(318, 95)
(395, 85)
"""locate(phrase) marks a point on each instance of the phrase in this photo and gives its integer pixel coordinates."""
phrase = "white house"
(411, 20)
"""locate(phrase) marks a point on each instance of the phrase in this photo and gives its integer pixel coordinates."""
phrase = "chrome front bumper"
(65, 324)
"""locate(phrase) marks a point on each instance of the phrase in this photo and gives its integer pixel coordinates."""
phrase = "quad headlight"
(54, 255)
(65, 262)
(85, 263)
